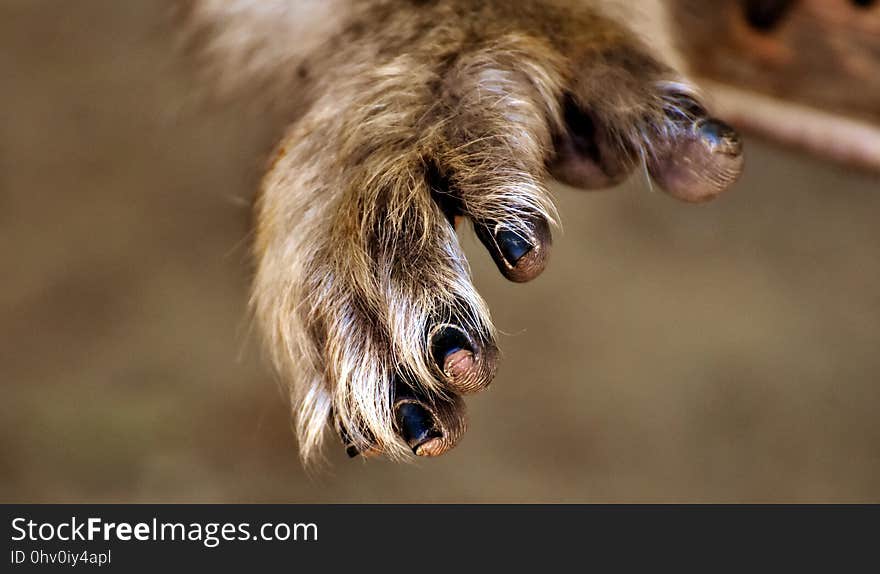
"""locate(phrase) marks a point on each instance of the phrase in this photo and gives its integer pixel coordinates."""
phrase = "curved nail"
(416, 425)
(513, 246)
(520, 256)
(430, 427)
(720, 137)
(700, 164)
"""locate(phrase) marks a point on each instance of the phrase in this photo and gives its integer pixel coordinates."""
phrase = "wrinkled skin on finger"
(430, 425)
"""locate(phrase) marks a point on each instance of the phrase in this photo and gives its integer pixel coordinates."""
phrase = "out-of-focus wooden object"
(805, 72)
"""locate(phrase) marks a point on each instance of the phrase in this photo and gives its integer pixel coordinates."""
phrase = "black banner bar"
(134, 538)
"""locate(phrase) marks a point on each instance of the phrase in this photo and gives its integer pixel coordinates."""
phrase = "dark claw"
(429, 427)
(417, 426)
(513, 246)
(720, 137)
(518, 258)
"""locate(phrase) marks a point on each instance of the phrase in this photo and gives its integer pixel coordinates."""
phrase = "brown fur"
(406, 114)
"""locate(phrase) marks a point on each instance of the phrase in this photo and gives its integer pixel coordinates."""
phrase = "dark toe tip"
(701, 163)
(430, 427)
(513, 246)
(720, 137)
(532, 262)
(416, 425)
(519, 254)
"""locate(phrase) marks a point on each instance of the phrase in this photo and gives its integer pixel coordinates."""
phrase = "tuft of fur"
(407, 103)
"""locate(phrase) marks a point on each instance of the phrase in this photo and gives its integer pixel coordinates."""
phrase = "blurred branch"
(805, 73)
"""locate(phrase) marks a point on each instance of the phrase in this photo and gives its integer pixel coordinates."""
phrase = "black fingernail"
(446, 341)
(416, 424)
(513, 246)
(720, 136)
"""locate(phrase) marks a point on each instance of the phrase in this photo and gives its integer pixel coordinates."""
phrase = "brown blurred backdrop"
(726, 352)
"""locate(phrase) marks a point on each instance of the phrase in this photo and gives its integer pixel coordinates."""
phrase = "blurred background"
(670, 353)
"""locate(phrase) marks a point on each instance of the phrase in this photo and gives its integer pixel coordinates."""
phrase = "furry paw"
(361, 288)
